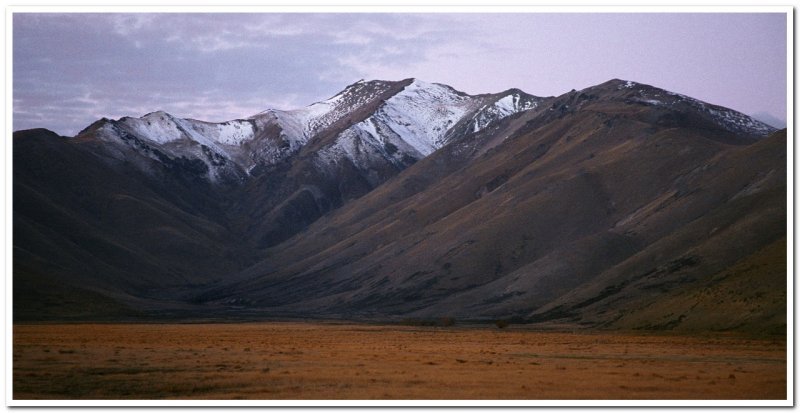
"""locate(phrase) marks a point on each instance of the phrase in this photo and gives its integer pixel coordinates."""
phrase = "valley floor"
(350, 361)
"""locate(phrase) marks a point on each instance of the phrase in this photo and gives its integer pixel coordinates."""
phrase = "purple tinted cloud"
(71, 69)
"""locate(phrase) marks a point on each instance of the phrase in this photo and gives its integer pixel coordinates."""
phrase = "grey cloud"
(70, 69)
(141, 62)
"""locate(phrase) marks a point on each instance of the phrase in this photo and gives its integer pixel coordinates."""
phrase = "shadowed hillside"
(618, 206)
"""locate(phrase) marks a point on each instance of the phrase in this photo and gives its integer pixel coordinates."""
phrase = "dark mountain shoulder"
(750, 186)
(748, 296)
(37, 133)
(98, 228)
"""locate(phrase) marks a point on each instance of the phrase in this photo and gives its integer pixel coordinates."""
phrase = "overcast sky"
(72, 69)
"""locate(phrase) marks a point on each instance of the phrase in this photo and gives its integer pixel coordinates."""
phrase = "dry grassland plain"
(347, 361)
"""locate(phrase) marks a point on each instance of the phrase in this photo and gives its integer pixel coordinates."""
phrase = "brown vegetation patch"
(340, 361)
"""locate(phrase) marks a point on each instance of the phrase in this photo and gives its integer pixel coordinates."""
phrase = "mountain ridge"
(403, 199)
(426, 108)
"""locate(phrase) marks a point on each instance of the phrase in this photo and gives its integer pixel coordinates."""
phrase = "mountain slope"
(511, 220)
(408, 199)
(83, 226)
(297, 165)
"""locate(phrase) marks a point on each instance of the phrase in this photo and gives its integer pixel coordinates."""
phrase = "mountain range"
(621, 205)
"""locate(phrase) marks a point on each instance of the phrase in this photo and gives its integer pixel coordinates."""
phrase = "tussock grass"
(327, 361)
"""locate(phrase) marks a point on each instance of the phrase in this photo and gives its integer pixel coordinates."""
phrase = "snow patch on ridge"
(503, 107)
(161, 127)
(291, 125)
(422, 114)
(234, 132)
(200, 138)
(157, 127)
(728, 119)
(318, 116)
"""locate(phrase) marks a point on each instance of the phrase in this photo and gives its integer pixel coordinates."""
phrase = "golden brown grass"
(346, 361)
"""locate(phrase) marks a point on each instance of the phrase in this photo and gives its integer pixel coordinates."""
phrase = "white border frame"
(364, 6)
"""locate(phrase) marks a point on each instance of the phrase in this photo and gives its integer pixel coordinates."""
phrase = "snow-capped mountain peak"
(400, 121)
(162, 128)
(320, 115)
(156, 126)
(371, 121)
(422, 114)
(502, 105)
(417, 120)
